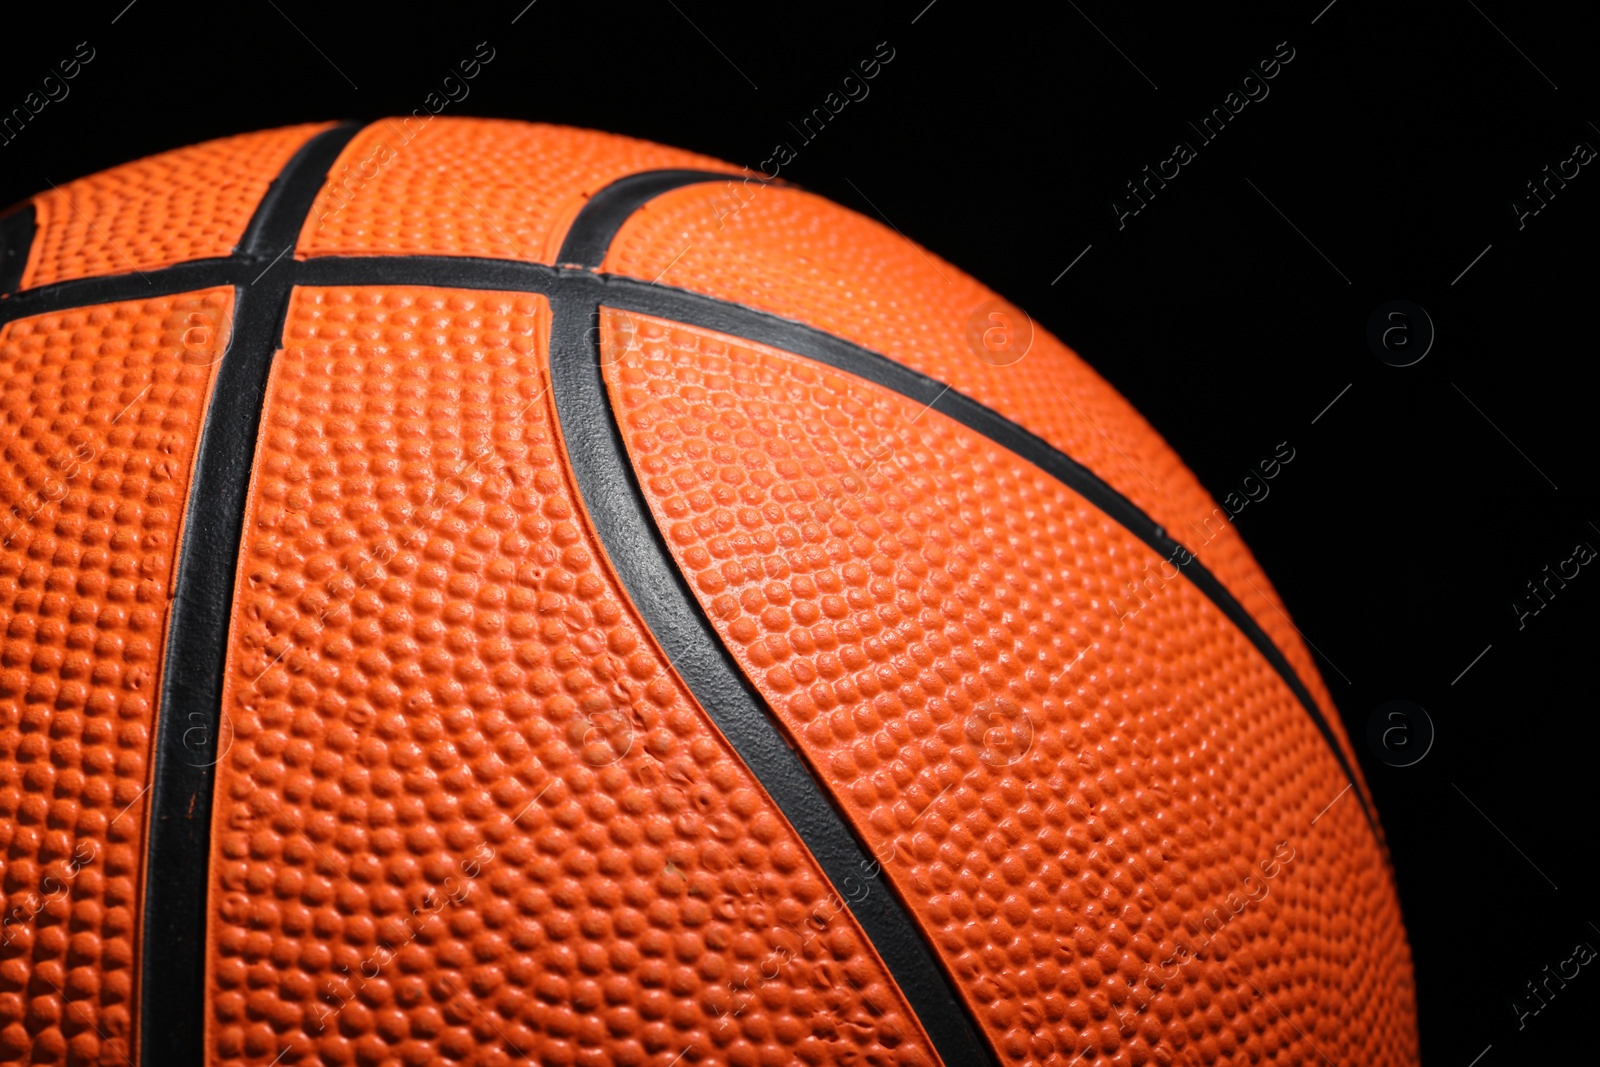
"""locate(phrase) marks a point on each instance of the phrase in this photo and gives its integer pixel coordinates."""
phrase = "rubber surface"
(1064, 792)
(802, 257)
(190, 728)
(471, 187)
(469, 812)
(102, 409)
(590, 236)
(656, 299)
(190, 203)
(431, 800)
(646, 570)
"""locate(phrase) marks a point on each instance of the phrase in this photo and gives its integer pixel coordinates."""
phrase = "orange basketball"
(488, 593)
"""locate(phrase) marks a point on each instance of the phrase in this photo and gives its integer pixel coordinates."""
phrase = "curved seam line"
(883, 371)
(608, 487)
(543, 278)
(171, 1027)
(444, 272)
(646, 572)
(602, 217)
(615, 211)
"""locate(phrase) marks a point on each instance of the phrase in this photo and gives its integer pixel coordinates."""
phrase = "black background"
(1417, 506)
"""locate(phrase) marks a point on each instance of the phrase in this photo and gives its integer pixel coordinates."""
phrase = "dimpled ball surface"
(411, 744)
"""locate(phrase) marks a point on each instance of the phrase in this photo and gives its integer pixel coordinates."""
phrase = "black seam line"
(17, 228)
(643, 562)
(271, 230)
(735, 320)
(172, 1008)
(763, 328)
(584, 288)
(635, 544)
(656, 586)
(591, 233)
(112, 288)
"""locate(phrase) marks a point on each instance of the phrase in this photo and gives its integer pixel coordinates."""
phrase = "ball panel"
(445, 187)
(468, 813)
(1069, 797)
(190, 203)
(101, 409)
(806, 258)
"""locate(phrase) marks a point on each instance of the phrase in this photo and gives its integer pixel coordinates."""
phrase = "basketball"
(478, 592)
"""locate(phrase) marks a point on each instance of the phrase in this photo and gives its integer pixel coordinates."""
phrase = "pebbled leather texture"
(101, 410)
(806, 258)
(1065, 788)
(190, 203)
(654, 583)
(465, 811)
(471, 187)
(432, 685)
